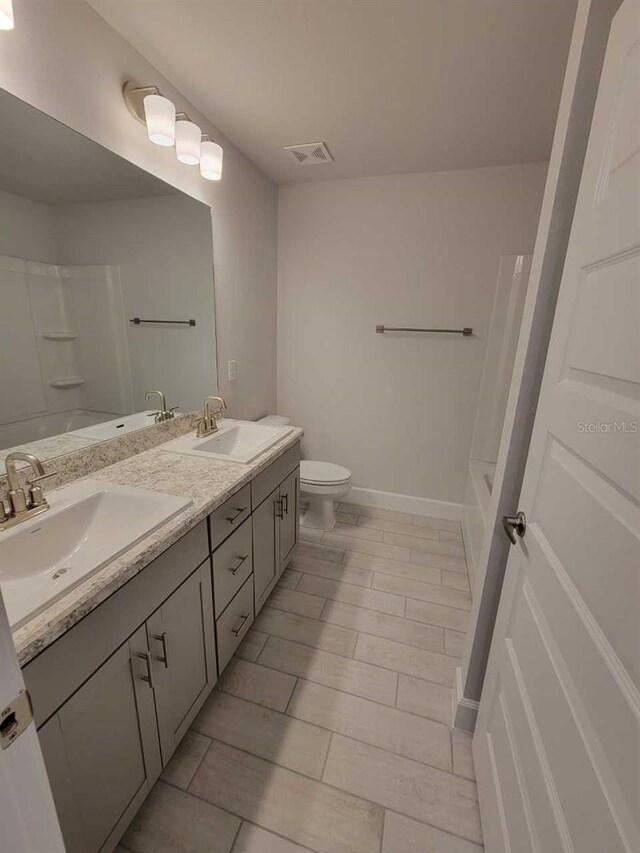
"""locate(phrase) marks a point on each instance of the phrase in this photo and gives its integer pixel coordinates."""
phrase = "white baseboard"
(465, 711)
(406, 503)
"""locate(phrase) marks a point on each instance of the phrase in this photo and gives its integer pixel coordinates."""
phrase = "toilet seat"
(323, 473)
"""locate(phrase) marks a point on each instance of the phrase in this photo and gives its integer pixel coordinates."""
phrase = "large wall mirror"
(91, 248)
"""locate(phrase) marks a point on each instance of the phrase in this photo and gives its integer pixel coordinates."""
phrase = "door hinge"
(15, 718)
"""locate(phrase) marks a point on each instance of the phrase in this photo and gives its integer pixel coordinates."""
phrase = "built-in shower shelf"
(59, 336)
(68, 382)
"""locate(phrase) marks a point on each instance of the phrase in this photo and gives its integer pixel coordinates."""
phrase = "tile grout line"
(352, 542)
(240, 817)
(348, 692)
(378, 571)
(345, 556)
(277, 835)
(238, 831)
(204, 755)
(326, 758)
(384, 820)
(321, 780)
(293, 690)
(392, 616)
(477, 844)
(360, 660)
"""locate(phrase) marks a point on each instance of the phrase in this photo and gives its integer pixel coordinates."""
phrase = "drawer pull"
(238, 512)
(146, 656)
(234, 569)
(162, 638)
(240, 625)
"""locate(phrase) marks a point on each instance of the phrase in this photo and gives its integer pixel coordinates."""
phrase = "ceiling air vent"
(311, 154)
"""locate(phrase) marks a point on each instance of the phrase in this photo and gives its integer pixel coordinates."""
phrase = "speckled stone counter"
(208, 482)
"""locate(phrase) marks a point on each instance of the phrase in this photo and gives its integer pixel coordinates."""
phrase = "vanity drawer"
(228, 517)
(232, 565)
(234, 623)
(267, 480)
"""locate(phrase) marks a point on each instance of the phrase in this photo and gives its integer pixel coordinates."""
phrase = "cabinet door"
(289, 490)
(181, 639)
(101, 751)
(266, 544)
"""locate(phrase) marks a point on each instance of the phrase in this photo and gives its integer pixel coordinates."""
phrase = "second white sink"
(88, 525)
(235, 441)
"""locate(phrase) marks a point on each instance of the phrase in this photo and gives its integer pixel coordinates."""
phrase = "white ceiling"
(390, 85)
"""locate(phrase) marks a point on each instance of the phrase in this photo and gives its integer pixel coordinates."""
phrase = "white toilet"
(321, 484)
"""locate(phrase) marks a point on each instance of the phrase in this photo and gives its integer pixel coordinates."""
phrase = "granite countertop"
(207, 482)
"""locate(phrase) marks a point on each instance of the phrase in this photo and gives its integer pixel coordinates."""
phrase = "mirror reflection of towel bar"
(137, 320)
(381, 329)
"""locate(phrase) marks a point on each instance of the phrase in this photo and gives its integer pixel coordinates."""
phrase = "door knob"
(514, 525)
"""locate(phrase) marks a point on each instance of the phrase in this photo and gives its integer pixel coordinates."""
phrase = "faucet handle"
(36, 495)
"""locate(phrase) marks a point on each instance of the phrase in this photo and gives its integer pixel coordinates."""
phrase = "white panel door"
(28, 819)
(557, 743)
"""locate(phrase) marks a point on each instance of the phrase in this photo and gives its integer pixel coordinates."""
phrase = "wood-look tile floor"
(329, 730)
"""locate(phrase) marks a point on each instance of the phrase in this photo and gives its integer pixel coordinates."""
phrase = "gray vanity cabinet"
(275, 534)
(266, 547)
(101, 750)
(289, 513)
(181, 643)
(114, 695)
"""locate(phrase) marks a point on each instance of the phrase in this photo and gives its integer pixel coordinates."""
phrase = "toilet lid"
(320, 473)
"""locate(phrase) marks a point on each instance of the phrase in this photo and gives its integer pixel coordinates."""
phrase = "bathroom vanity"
(116, 691)
(132, 579)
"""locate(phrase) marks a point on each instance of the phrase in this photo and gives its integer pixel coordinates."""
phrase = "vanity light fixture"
(166, 127)
(188, 136)
(210, 159)
(160, 114)
(6, 15)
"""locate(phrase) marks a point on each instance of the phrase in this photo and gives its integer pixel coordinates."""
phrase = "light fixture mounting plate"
(134, 95)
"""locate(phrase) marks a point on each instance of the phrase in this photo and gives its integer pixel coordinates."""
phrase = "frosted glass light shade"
(211, 161)
(6, 15)
(160, 114)
(188, 137)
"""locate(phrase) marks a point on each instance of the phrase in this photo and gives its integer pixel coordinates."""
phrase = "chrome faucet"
(208, 423)
(164, 414)
(22, 504)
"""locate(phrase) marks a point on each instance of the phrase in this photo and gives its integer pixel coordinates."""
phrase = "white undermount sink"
(235, 441)
(88, 525)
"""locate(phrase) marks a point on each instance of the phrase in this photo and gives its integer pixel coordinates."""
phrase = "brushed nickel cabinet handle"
(285, 504)
(234, 569)
(238, 512)
(240, 626)
(146, 656)
(279, 508)
(162, 638)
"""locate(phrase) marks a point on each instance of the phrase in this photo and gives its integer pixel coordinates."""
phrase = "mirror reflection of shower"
(67, 323)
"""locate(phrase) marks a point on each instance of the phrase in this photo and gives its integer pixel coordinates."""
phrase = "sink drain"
(58, 573)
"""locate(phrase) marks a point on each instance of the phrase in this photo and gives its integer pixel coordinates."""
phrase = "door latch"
(15, 718)
(514, 525)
